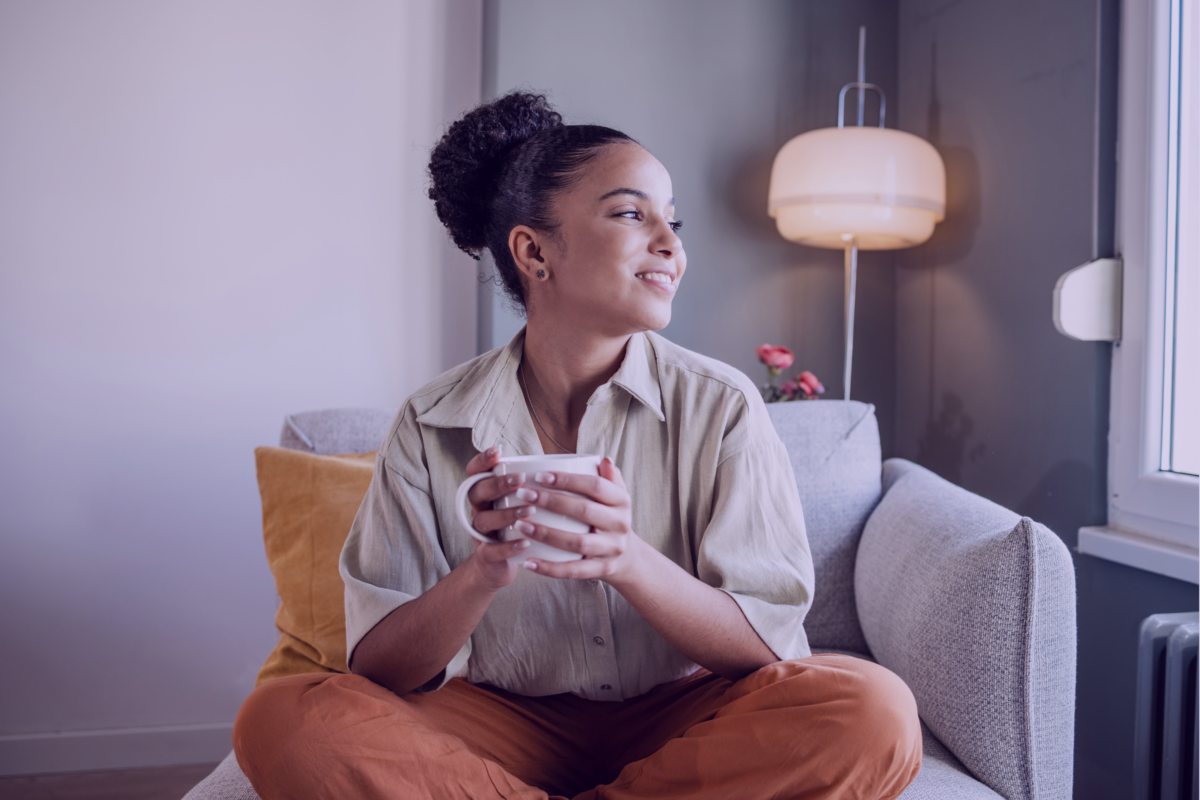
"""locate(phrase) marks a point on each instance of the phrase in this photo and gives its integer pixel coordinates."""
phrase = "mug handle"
(461, 496)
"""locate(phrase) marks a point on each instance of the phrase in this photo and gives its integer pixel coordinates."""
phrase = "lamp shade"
(883, 187)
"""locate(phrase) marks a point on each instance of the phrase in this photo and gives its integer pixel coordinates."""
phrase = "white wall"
(211, 214)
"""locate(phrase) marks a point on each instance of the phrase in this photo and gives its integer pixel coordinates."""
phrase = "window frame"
(1152, 514)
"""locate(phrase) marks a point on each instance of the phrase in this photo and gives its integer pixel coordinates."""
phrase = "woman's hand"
(703, 623)
(608, 552)
(490, 561)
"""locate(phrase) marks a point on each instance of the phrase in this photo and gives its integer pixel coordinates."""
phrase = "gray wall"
(1018, 97)
(714, 89)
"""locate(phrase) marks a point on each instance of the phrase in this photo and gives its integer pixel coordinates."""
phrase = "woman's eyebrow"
(638, 193)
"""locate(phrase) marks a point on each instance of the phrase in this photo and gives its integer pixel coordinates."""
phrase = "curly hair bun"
(467, 163)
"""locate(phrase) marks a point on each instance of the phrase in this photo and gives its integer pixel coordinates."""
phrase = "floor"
(154, 783)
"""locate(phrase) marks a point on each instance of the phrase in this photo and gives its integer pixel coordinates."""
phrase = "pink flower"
(809, 384)
(790, 388)
(777, 359)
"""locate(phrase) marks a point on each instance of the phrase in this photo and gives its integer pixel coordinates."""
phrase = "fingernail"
(492, 451)
(521, 545)
(531, 566)
(525, 512)
(528, 495)
(524, 527)
(544, 478)
(514, 480)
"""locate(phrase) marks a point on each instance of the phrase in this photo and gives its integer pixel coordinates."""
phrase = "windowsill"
(1135, 550)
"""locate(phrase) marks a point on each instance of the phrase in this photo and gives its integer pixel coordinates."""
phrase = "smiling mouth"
(662, 280)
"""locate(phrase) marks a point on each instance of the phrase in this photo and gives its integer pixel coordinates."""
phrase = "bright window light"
(1181, 389)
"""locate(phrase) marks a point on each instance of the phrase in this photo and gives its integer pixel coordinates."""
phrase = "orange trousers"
(828, 726)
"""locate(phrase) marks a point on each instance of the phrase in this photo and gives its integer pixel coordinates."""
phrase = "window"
(1181, 442)
(1154, 503)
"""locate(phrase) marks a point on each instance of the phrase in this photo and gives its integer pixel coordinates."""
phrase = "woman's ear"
(525, 244)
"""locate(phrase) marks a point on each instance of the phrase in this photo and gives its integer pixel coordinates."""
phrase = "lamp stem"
(851, 282)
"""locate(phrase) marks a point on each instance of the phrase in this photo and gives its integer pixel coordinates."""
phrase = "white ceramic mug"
(530, 465)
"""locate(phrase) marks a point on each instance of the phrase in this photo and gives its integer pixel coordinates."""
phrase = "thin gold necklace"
(533, 408)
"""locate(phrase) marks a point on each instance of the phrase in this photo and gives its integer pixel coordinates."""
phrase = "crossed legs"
(828, 726)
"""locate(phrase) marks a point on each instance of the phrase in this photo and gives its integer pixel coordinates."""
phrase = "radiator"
(1164, 733)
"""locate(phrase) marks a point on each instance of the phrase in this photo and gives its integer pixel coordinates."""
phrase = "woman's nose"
(667, 243)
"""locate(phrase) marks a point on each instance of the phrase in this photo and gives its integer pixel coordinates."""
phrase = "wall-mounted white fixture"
(852, 188)
(1087, 301)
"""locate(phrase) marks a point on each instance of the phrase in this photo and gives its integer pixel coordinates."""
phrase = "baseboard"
(115, 748)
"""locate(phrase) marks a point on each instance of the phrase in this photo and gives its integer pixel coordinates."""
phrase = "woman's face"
(615, 262)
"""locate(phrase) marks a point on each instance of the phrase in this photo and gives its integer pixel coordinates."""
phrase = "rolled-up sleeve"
(755, 547)
(393, 554)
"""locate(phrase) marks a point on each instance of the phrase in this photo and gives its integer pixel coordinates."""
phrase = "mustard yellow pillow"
(308, 504)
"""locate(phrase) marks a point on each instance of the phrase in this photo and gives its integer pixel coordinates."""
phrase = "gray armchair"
(973, 606)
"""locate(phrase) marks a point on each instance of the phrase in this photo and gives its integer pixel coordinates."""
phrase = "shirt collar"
(638, 374)
(489, 396)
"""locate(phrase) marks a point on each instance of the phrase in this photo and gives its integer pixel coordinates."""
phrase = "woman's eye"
(674, 224)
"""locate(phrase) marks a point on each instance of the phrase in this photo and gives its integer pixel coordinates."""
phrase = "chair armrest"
(974, 607)
(227, 782)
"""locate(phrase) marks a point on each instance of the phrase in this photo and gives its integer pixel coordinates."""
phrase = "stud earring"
(541, 273)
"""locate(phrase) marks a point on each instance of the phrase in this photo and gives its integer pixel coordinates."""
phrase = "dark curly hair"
(500, 166)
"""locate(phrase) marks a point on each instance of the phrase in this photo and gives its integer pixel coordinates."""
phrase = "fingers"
(601, 488)
(599, 516)
(609, 471)
(587, 569)
(501, 551)
(588, 545)
(490, 520)
(484, 461)
(489, 489)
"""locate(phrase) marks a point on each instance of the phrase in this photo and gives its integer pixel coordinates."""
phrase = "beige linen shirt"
(711, 488)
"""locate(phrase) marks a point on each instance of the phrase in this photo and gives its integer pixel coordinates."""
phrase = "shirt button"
(606, 687)
(598, 639)
(592, 582)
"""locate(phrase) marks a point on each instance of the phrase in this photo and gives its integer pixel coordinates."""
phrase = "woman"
(671, 660)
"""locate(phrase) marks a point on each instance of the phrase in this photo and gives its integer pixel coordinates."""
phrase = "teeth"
(657, 277)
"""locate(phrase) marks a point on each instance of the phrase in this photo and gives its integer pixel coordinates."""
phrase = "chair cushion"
(974, 607)
(308, 503)
(942, 776)
(834, 449)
